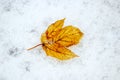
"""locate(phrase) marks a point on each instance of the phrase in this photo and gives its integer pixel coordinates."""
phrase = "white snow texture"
(23, 21)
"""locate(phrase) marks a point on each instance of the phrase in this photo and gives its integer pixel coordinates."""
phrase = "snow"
(23, 21)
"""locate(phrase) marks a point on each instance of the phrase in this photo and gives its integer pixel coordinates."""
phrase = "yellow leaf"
(57, 39)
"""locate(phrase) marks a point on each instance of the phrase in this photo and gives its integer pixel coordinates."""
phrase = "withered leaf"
(57, 38)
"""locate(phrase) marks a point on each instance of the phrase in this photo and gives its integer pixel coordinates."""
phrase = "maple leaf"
(57, 39)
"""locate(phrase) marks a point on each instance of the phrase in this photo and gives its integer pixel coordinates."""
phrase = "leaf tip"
(64, 19)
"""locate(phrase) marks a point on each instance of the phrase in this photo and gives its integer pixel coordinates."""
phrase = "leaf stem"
(34, 47)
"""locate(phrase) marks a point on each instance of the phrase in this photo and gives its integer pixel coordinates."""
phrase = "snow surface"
(23, 21)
